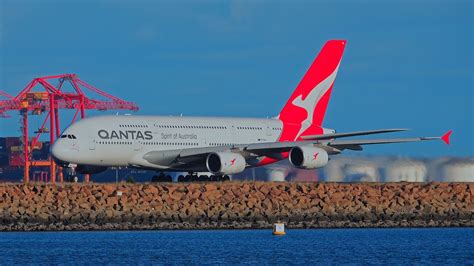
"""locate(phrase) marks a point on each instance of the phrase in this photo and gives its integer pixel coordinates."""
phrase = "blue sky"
(406, 64)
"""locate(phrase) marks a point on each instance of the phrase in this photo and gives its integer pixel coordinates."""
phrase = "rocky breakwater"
(233, 205)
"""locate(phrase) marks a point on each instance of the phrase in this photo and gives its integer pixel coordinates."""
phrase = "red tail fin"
(304, 112)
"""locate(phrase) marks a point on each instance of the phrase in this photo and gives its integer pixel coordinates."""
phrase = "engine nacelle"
(308, 157)
(225, 163)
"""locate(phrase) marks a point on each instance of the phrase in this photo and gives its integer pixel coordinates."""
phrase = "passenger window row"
(186, 126)
(133, 126)
(171, 143)
(250, 128)
(221, 144)
(115, 142)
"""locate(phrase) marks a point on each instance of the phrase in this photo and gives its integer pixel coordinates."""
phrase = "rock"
(85, 206)
(151, 190)
(110, 201)
(25, 189)
(233, 205)
(177, 195)
(264, 189)
(210, 187)
(245, 188)
(210, 195)
(303, 188)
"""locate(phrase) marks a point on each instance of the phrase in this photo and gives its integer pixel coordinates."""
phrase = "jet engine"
(308, 157)
(90, 169)
(225, 163)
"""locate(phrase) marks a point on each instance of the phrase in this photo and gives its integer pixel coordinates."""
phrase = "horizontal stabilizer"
(446, 137)
(379, 141)
(351, 134)
(350, 144)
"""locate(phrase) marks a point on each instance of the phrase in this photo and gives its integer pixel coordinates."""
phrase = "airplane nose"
(58, 153)
(54, 150)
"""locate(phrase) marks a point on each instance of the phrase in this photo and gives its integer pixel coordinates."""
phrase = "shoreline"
(179, 227)
(233, 205)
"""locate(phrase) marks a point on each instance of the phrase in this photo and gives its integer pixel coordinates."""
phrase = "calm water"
(367, 246)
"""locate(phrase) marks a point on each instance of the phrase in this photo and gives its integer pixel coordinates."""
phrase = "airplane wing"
(329, 142)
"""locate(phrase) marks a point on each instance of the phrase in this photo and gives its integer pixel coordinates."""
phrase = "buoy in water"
(279, 229)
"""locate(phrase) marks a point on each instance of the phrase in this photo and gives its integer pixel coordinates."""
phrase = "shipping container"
(16, 159)
(38, 96)
(46, 146)
(4, 159)
(14, 174)
(16, 148)
(38, 146)
(12, 141)
(40, 155)
(3, 144)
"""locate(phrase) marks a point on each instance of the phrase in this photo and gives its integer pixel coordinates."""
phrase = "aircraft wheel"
(181, 178)
(158, 178)
(168, 178)
(226, 178)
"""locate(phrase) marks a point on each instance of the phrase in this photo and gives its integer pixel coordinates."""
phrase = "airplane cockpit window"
(68, 136)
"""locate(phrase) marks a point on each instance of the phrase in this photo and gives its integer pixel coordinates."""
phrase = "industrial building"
(372, 169)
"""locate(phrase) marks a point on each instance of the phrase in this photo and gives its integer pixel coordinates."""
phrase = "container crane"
(3, 103)
(50, 99)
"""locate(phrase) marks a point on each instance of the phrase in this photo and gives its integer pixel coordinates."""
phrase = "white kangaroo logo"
(309, 103)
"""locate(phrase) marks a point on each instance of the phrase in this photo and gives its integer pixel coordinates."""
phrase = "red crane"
(3, 103)
(51, 99)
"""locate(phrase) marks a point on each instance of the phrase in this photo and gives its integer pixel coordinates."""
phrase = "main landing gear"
(191, 177)
(203, 178)
(162, 178)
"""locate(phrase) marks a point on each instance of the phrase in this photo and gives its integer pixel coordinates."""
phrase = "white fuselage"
(122, 140)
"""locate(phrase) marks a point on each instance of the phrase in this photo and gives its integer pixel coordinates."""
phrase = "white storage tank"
(361, 172)
(277, 174)
(406, 171)
(457, 170)
(333, 171)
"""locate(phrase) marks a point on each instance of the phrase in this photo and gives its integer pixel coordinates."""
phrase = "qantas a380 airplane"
(221, 146)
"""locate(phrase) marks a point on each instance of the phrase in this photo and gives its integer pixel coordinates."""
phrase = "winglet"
(446, 137)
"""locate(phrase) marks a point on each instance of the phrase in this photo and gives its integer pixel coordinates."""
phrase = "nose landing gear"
(71, 174)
